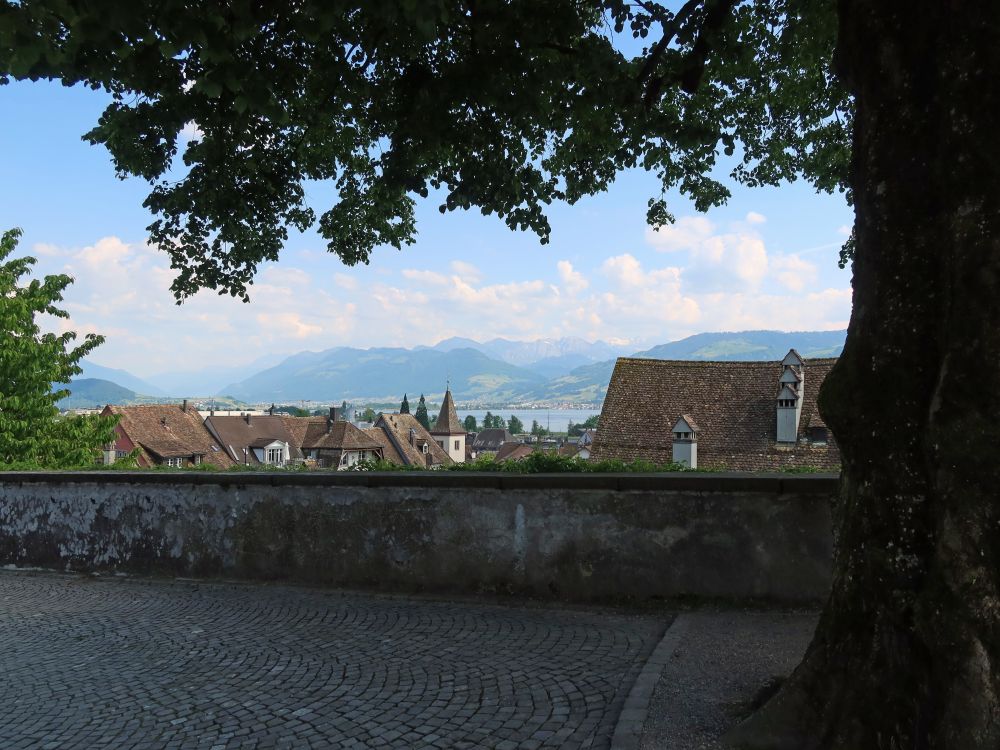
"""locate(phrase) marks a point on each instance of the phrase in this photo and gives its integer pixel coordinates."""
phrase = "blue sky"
(766, 260)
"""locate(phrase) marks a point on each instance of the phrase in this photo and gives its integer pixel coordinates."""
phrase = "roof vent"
(685, 445)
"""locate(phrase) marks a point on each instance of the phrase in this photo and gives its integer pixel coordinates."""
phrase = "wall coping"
(665, 482)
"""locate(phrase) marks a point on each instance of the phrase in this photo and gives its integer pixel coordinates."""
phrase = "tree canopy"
(421, 413)
(499, 106)
(31, 434)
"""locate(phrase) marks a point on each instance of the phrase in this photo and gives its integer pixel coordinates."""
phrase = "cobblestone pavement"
(91, 663)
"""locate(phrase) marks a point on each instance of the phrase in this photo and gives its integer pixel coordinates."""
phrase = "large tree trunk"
(907, 652)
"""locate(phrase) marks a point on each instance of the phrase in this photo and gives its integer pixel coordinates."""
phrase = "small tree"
(488, 421)
(421, 414)
(470, 424)
(515, 425)
(368, 415)
(404, 408)
(590, 423)
(30, 363)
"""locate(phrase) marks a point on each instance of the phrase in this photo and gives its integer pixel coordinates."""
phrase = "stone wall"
(579, 537)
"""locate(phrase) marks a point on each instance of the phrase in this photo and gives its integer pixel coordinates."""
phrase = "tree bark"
(907, 651)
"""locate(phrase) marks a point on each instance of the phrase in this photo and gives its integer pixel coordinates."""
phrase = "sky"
(768, 259)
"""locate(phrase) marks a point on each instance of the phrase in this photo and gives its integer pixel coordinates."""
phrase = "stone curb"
(628, 730)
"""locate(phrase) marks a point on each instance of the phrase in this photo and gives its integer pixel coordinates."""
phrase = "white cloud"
(734, 261)
(191, 132)
(687, 233)
(715, 281)
(345, 282)
(467, 271)
(844, 230)
(793, 272)
(573, 281)
(755, 218)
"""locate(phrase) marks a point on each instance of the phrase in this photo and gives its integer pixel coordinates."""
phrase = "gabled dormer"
(792, 359)
(788, 397)
(685, 443)
(790, 378)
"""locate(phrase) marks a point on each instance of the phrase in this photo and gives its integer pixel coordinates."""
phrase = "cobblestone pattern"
(142, 664)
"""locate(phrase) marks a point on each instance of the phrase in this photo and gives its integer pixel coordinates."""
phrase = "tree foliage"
(515, 425)
(31, 432)
(470, 424)
(498, 106)
(404, 408)
(421, 413)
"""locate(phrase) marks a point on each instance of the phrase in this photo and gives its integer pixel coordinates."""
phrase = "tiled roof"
(511, 451)
(310, 433)
(389, 452)
(732, 402)
(235, 434)
(447, 422)
(168, 431)
(491, 439)
(398, 428)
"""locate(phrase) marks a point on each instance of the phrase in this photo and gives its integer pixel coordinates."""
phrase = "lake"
(556, 420)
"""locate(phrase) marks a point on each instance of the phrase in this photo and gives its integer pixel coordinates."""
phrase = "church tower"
(448, 431)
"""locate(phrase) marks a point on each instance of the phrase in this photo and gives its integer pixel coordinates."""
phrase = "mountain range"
(498, 371)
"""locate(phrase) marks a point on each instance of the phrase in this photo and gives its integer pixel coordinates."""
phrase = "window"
(175, 462)
(425, 447)
(457, 446)
(818, 435)
(275, 456)
(197, 460)
(121, 454)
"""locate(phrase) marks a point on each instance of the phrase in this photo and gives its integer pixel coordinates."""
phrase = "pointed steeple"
(448, 422)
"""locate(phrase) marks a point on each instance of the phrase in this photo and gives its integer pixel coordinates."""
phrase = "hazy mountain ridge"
(384, 374)
(90, 393)
(122, 378)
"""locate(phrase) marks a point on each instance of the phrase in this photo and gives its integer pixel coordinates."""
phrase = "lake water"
(556, 420)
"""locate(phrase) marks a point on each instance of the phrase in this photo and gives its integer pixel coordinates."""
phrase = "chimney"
(413, 437)
(184, 406)
(791, 391)
(685, 445)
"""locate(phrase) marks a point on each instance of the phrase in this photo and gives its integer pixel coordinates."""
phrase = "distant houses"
(164, 435)
(176, 435)
(735, 416)
(490, 441)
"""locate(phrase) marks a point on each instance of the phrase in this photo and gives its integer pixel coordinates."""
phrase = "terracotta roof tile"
(168, 431)
(398, 426)
(732, 402)
(491, 439)
(236, 433)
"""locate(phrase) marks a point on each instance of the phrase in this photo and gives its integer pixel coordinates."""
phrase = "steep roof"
(236, 433)
(397, 428)
(310, 433)
(512, 451)
(491, 439)
(732, 402)
(389, 452)
(447, 422)
(168, 431)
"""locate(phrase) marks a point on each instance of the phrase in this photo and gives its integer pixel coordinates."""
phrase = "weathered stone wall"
(571, 536)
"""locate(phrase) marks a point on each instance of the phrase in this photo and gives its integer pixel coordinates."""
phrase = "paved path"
(715, 665)
(140, 664)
